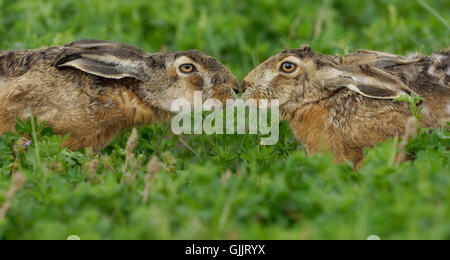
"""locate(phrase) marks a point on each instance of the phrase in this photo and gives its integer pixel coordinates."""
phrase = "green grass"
(272, 192)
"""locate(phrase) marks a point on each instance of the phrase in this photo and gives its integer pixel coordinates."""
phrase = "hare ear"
(377, 92)
(305, 48)
(105, 59)
(370, 83)
(380, 60)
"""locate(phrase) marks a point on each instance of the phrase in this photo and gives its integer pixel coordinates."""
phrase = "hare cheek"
(195, 82)
(176, 94)
(261, 79)
(269, 77)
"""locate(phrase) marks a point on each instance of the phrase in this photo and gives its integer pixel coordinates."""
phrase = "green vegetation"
(224, 186)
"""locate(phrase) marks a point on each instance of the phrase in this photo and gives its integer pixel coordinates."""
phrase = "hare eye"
(187, 68)
(288, 67)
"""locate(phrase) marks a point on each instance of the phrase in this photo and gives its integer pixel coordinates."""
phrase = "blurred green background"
(226, 186)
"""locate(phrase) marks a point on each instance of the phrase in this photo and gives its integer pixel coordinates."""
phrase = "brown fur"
(343, 104)
(94, 89)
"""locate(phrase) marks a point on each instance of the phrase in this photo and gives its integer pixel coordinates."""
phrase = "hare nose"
(236, 89)
(245, 85)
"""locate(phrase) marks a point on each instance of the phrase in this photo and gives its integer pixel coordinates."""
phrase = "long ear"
(380, 60)
(105, 59)
(367, 81)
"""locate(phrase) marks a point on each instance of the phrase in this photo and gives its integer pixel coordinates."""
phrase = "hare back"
(17, 63)
(428, 76)
(101, 58)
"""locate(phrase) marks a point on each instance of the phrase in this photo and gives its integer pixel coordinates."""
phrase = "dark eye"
(187, 68)
(288, 67)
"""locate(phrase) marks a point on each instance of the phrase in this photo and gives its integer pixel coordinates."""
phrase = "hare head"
(165, 76)
(93, 89)
(301, 76)
(344, 103)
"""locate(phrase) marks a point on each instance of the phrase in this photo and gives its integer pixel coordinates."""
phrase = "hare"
(345, 103)
(92, 89)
